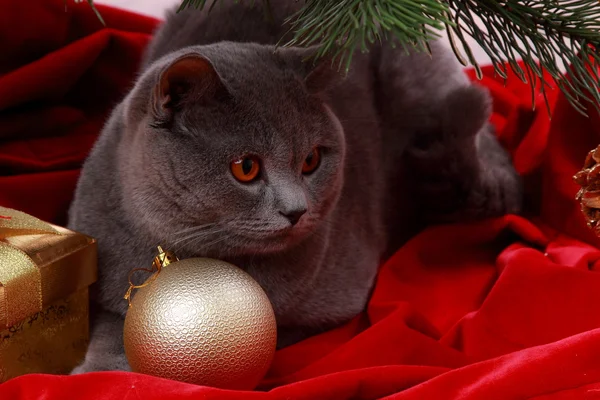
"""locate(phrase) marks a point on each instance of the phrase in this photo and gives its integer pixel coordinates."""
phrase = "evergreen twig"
(545, 34)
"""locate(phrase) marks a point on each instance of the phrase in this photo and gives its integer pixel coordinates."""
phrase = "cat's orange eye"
(312, 161)
(246, 169)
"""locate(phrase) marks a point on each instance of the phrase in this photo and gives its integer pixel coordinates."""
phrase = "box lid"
(63, 262)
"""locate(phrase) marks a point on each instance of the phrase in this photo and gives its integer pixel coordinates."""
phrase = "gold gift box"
(45, 271)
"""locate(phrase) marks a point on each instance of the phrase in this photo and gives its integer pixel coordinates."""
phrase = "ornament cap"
(163, 259)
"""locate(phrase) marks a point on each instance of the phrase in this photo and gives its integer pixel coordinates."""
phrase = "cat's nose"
(294, 215)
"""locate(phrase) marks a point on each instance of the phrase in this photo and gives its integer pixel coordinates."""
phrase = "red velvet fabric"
(500, 309)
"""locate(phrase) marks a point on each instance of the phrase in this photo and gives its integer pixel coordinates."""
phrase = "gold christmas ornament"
(201, 321)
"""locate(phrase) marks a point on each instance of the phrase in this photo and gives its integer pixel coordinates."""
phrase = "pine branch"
(556, 34)
(545, 34)
(340, 27)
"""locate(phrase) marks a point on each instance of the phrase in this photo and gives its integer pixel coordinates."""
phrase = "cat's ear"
(322, 76)
(319, 73)
(186, 80)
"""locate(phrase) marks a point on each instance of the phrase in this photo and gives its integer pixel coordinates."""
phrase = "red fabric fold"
(500, 309)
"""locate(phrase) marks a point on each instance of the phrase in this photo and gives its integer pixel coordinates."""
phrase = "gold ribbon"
(20, 278)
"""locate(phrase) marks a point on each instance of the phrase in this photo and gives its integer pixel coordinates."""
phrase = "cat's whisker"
(197, 235)
(194, 239)
(201, 228)
(216, 241)
(206, 234)
(193, 228)
(197, 241)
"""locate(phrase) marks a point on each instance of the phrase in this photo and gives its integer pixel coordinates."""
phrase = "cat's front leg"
(460, 169)
(105, 351)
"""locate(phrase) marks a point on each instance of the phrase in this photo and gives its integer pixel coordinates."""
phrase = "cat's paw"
(461, 115)
(102, 362)
(82, 369)
(445, 160)
(503, 196)
(465, 112)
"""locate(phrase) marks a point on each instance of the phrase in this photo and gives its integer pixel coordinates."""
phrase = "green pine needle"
(545, 34)
(93, 6)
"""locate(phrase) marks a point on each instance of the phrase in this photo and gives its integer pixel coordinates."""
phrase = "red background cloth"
(504, 308)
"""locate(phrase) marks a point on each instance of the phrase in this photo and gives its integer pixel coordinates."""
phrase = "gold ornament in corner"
(589, 194)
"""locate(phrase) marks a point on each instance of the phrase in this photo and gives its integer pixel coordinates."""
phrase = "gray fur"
(403, 134)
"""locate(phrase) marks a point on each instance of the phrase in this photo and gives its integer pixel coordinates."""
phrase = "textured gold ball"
(202, 321)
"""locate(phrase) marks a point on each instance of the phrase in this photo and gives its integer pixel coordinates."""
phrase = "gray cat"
(231, 148)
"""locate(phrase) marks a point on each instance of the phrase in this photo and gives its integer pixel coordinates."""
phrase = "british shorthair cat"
(229, 147)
